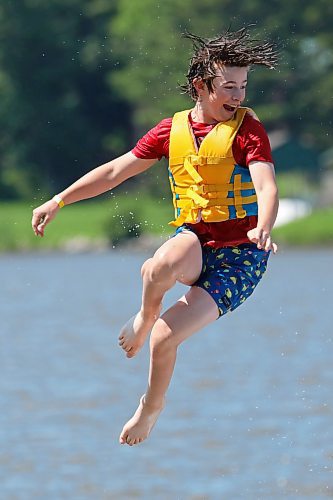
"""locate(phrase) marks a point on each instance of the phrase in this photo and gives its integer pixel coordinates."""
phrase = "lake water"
(249, 413)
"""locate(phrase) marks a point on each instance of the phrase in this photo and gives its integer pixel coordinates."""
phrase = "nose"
(238, 95)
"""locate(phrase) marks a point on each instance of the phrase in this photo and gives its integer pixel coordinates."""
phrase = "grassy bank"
(99, 221)
(313, 230)
(103, 221)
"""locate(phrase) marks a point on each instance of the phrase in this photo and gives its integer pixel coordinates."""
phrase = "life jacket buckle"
(195, 192)
(197, 160)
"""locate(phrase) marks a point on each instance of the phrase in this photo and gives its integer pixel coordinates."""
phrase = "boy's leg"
(190, 314)
(178, 259)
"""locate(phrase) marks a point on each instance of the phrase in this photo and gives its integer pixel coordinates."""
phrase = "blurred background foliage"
(82, 80)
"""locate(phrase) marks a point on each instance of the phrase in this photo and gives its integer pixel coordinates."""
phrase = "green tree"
(58, 116)
(296, 96)
(81, 80)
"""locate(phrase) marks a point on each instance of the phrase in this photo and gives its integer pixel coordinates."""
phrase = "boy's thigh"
(183, 254)
(192, 312)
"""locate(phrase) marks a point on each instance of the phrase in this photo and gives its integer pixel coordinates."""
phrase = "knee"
(158, 268)
(146, 267)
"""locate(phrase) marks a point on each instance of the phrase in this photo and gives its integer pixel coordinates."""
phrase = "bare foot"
(133, 334)
(138, 428)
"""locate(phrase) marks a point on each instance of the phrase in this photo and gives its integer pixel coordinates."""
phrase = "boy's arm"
(95, 182)
(263, 178)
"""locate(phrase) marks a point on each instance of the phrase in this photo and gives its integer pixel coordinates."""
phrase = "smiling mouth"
(231, 109)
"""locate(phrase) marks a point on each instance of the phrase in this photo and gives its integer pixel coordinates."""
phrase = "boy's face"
(228, 94)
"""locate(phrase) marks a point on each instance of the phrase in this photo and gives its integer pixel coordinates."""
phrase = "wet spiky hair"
(230, 49)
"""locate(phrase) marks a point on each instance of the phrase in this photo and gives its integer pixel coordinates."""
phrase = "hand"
(262, 239)
(42, 215)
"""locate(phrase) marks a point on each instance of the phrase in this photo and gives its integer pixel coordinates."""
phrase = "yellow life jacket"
(206, 183)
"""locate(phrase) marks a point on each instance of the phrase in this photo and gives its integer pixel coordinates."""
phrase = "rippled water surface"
(249, 413)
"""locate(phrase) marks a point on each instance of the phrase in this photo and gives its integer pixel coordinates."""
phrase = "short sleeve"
(155, 143)
(252, 143)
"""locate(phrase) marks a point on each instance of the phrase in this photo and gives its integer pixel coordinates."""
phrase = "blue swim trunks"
(230, 274)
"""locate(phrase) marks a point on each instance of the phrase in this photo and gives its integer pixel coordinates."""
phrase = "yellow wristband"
(58, 200)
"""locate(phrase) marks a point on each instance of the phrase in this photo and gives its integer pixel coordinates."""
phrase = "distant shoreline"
(93, 226)
(143, 244)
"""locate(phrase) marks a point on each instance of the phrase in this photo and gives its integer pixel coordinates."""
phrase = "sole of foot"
(134, 333)
(138, 428)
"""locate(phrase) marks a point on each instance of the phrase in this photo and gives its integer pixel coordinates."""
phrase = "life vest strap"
(188, 165)
(240, 212)
(197, 160)
(212, 190)
(184, 204)
(194, 193)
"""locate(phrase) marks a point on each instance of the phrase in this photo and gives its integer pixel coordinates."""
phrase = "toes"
(125, 346)
(132, 441)
(129, 440)
(124, 438)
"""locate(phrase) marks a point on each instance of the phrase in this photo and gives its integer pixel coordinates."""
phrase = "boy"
(225, 198)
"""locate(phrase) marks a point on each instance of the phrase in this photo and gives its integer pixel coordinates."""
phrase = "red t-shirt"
(250, 144)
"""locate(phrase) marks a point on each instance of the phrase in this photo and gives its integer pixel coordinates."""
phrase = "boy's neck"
(198, 116)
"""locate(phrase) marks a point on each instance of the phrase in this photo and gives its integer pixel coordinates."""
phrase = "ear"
(199, 85)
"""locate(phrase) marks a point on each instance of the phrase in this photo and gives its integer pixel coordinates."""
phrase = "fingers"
(262, 239)
(41, 227)
(38, 223)
(42, 215)
(274, 248)
(268, 245)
